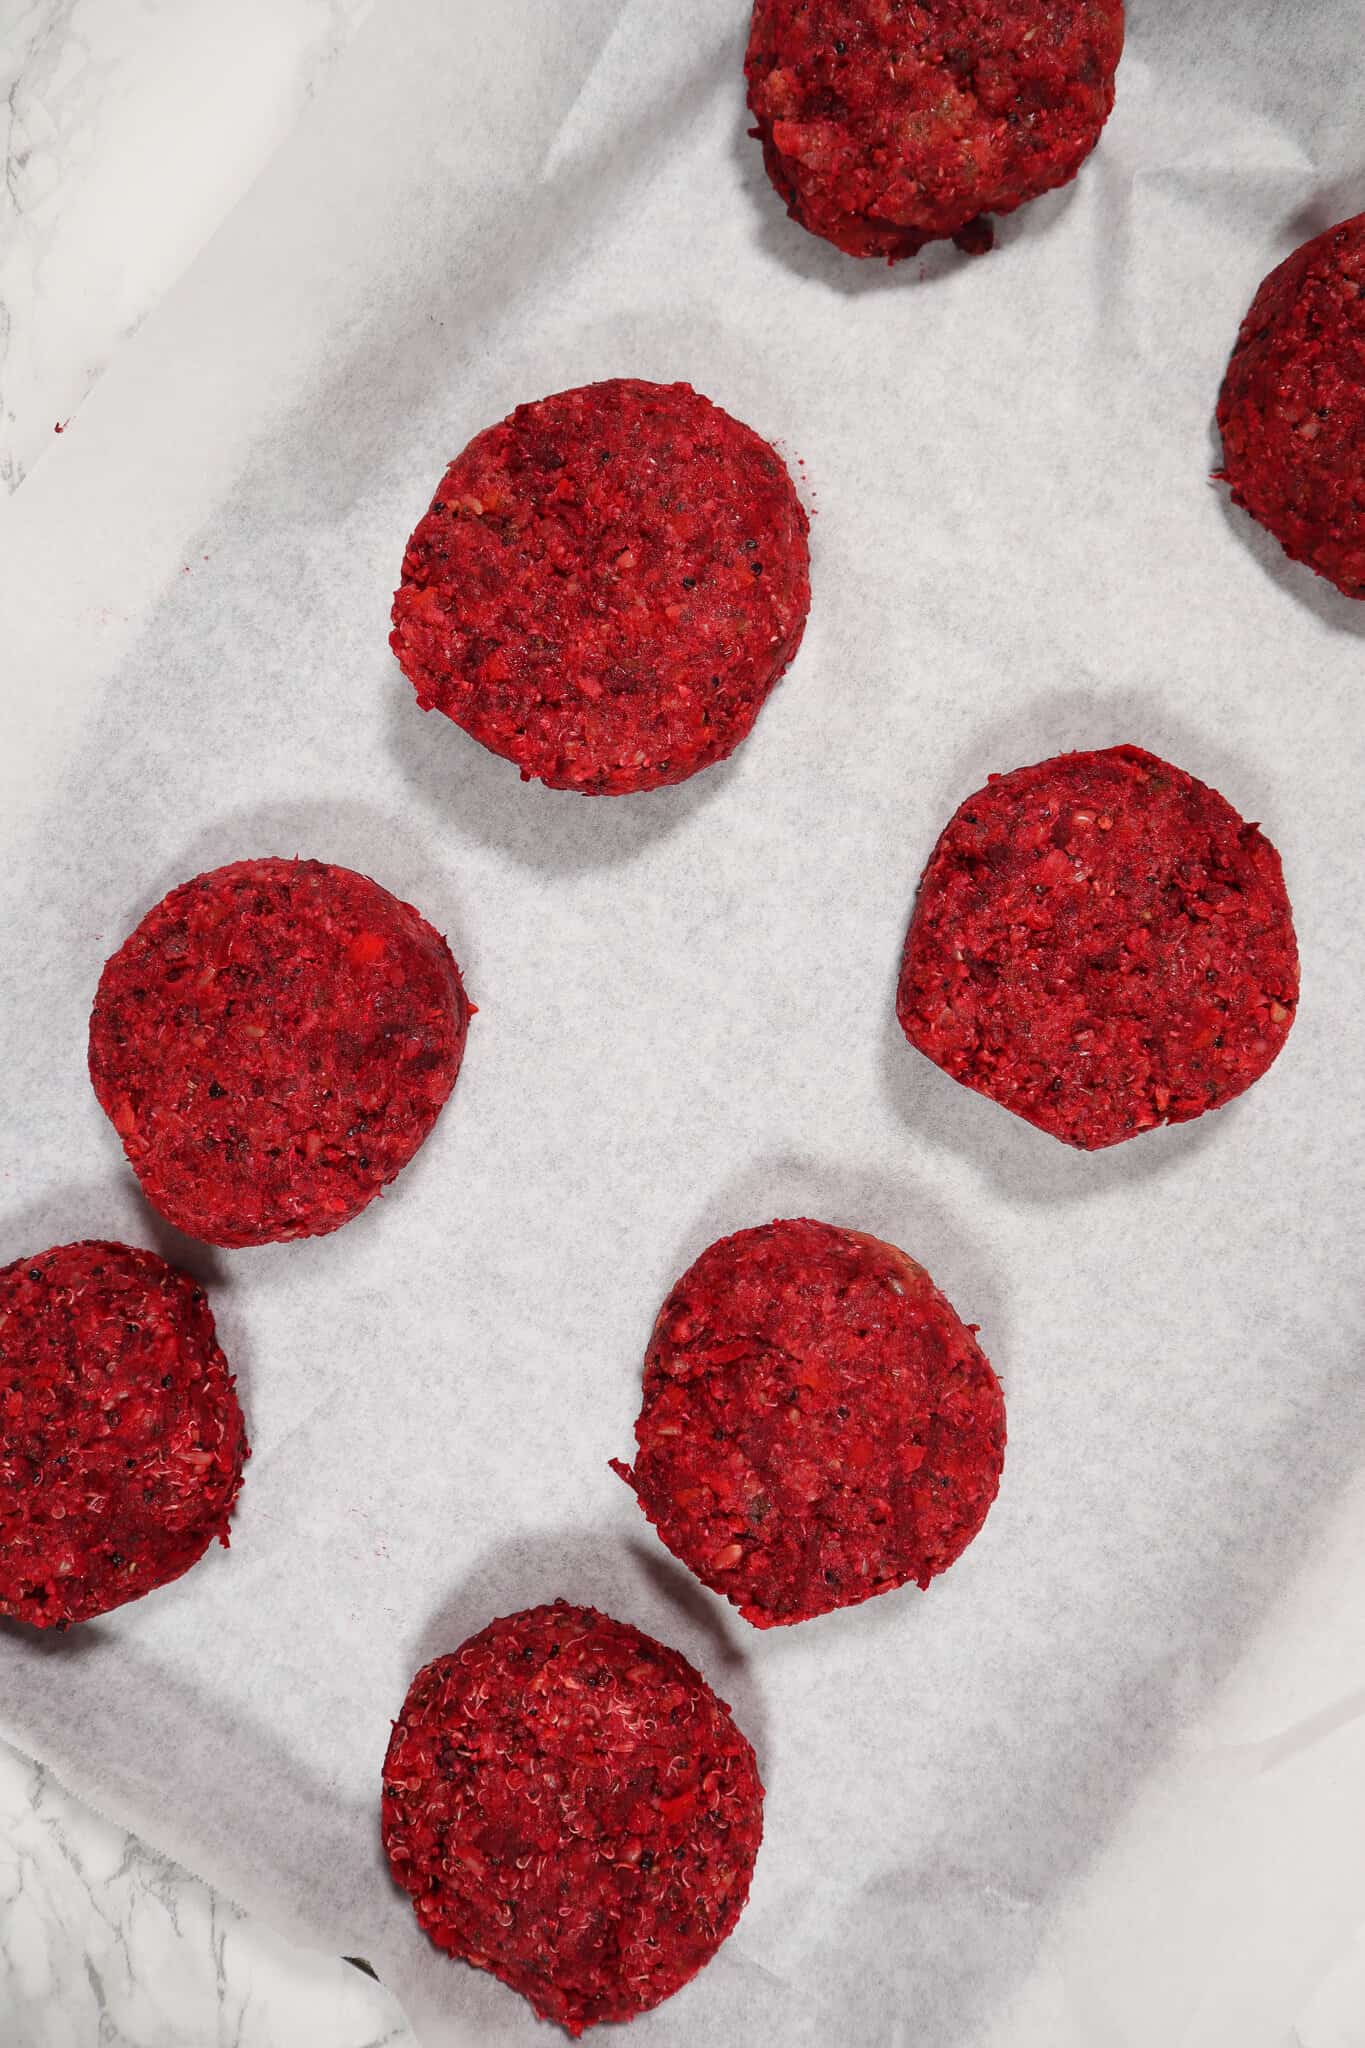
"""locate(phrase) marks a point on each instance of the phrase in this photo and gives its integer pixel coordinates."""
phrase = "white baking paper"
(685, 1022)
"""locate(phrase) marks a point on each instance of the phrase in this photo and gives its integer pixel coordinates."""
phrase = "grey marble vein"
(105, 1944)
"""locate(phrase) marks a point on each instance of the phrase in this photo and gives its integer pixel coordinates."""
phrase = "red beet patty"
(1101, 944)
(272, 1044)
(121, 1441)
(573, 1810)
(1292, 408)
(887, 125)
(606, 586)
(817, 1426)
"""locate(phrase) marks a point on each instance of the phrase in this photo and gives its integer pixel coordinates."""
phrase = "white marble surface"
(104, 1942)
(129, 129)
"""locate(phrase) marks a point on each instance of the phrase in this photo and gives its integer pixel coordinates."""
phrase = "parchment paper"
(686, 1021)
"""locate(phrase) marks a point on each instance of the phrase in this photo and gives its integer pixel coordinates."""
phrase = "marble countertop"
(129, 130)
(102, 1940)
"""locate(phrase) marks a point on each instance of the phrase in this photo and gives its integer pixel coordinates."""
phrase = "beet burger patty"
(886, 125)
(606, 586)
(1101, 944)
(572, 1809)
(121, 1441)
(818, 1426)
(1292, 408)
(272, 1044)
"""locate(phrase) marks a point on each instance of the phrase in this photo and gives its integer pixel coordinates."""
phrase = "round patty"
(885, 126)
(272, 1044)
(817, 1426)
(121, 1441)
(1101, 944)
(1292, 407)
(573, 1810)
(606, 586)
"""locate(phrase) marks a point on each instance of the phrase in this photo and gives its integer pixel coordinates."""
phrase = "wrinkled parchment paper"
(1103, 1783)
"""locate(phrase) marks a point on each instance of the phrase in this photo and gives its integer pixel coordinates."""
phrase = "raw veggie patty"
(1101, 944)
(573, 1810)
(121, 1441)
(606, 586)
(818, 1426)
(887, 125)
(272, 1044)
(1292, 407)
